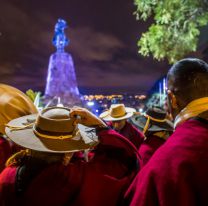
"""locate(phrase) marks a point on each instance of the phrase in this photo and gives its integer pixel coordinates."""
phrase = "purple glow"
(61, 79)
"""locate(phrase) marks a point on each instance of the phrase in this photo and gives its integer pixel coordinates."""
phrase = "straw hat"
(117, 112)
(154, 120)
(51, 131)
(13, 104)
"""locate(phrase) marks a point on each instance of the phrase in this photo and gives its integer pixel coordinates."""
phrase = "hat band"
(61, 137)
(148, 121)
(15, 128)
(51, 135)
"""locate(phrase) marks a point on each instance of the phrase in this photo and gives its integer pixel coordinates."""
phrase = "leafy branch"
(175, 30)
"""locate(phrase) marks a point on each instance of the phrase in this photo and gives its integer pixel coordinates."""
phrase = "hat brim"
(107, 117)
(140, 121)
(84, 139)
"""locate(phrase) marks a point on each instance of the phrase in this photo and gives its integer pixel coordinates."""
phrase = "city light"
(98, 103)
(140, 110)
(90, 104)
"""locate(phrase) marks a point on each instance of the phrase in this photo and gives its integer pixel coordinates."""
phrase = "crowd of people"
(63, 156)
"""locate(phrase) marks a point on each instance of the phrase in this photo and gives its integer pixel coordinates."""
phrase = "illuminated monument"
(61, 80)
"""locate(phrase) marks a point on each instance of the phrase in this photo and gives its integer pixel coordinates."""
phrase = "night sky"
(103, 43)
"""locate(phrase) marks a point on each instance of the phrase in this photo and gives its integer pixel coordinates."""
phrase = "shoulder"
(181, 148)
(193, 124)
(190, 134)
(132, 127)
(8, 174)
(3, 141)
(114, 140)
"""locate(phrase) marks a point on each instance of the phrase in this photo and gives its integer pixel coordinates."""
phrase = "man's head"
(118, 125)
(187, 81)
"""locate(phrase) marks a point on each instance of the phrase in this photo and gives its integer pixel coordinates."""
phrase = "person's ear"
(172, 99)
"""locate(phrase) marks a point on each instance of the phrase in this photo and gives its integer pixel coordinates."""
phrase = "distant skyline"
(103, 43)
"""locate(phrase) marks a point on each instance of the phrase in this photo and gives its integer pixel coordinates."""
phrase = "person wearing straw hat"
(117, 117)
(44, 175)
(13, 104)
(177, 172)
(156, 129)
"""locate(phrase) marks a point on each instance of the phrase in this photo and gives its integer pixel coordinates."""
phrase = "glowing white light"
(90, 104)
(141, 110)
(96, 110)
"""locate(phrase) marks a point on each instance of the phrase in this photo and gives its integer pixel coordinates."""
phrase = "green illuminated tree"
(175, 30)
(31, 94)
(35, 97)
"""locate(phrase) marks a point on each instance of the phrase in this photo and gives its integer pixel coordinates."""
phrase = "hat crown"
(117, 110)
(156, 113)
(56, 113)
(153, 120)
(55, 120)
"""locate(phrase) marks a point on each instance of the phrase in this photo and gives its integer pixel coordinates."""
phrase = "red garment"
(177, 174)
(148, 147)
(132, 133)
(5, 152)
(100, 182)
(15, 148)
(7, 149)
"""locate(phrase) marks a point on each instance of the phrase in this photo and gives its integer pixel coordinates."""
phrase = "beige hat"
(117, 112)
(51, 131)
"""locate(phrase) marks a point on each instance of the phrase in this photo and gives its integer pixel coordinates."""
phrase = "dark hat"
(52, 130)
(154, 120)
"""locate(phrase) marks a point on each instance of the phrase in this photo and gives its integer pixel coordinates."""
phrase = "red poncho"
(131, 133)
(177, 174)
(7, 149)
(100, 182)
(148, 147)
(5, 152)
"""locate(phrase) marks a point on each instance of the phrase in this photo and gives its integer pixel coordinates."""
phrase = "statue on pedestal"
(61, 80)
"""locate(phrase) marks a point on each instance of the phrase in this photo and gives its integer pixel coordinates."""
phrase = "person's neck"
(162, 134)
(46, 157)
(204, 115)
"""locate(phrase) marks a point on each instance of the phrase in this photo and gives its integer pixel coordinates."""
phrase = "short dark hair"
(188, 79)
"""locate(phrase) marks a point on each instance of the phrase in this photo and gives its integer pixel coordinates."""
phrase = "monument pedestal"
(61, 80)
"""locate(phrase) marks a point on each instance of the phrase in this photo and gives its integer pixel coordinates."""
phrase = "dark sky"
(103, 43)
